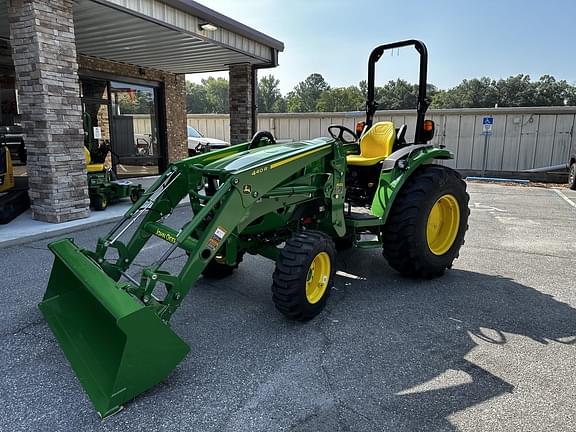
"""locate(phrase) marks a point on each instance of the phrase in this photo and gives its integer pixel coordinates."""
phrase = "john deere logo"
(166, 236)
(247, 189)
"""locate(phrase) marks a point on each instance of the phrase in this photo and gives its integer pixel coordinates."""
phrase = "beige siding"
(523, 138)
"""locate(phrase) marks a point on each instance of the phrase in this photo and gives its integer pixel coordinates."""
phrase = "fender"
(397, 168)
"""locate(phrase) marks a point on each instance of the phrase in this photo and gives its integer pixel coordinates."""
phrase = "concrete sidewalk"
(24, 229)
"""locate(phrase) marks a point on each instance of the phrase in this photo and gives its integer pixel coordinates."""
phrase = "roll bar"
(423, 102)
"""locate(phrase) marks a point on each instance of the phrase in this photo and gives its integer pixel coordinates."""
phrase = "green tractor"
(103, 186)
(291, 202)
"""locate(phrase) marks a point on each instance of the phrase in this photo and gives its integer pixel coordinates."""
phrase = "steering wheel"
(340, 135)
(258, 136)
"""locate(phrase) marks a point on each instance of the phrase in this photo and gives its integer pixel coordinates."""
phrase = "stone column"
(241, 112)
(176, 120)
(44, 54)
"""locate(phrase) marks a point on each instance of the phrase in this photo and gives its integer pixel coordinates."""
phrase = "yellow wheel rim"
(443, 224)
(318, 277)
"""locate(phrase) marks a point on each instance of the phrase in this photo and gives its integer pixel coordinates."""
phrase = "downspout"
(254, 105)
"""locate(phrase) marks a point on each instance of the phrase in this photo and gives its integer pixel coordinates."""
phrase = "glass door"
(134, 123)
(96, 120)
(10, 127)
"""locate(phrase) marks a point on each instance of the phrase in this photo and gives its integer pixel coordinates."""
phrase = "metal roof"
(165, 35)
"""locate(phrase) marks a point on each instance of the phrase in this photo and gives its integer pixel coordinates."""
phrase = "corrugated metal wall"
(523, 138)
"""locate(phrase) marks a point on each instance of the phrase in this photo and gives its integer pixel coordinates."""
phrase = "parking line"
(565, 198)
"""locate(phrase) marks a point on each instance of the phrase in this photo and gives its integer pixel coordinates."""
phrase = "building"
(76, 70)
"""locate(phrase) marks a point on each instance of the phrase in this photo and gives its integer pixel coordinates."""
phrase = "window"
(135, 146)
(123, 116)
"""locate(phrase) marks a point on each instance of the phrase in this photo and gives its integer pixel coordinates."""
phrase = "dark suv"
(15, 141)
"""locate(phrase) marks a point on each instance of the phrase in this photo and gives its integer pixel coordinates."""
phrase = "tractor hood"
(258, 157)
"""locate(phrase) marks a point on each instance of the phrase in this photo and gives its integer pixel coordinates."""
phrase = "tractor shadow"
(401, 351)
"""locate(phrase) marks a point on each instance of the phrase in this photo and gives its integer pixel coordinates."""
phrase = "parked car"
(572, 172)
(197, 143)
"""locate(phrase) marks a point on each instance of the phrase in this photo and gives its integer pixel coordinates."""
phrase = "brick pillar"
(241, 111)
(176, 120)
(44, 54)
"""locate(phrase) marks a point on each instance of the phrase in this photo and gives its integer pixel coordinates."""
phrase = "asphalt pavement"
(488, 347)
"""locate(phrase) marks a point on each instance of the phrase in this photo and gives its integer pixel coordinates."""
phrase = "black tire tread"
(289, 275)
(402, 249)
(99, 202)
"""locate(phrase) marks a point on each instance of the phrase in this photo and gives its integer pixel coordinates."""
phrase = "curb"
(49, 234)
(65, 230)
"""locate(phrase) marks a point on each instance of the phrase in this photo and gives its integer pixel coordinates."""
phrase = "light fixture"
(208, 27)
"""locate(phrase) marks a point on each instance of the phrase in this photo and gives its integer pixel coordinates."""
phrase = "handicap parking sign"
(487, 123)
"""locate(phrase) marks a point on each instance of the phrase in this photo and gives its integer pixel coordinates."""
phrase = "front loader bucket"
(117, 347)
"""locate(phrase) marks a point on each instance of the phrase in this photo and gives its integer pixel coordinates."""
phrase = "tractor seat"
(92, 167)
(375, 145)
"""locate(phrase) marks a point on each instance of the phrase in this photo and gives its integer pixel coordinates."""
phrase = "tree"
(268, 94)
(314, 94)
(280, 105)
(570, 96)
(515, 91)
(397, 95)
(549, 92)
(294, 102)
(306, 94)
(340, 99)
(196, 98)
(217, 94)
(474, 93)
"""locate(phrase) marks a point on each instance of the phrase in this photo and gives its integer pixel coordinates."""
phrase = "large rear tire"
(304, 275)
(426, 225)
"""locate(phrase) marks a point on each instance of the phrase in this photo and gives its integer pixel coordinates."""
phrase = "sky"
(465, 39)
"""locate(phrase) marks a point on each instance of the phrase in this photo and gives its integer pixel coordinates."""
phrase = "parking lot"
(489, 346)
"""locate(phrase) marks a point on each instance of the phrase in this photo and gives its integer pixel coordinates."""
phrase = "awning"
(165, 35)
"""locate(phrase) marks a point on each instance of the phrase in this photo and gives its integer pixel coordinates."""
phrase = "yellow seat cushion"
(375, 145)
(91, 167)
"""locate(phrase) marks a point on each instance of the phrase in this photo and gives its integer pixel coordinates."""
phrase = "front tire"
(572, 176)
(100, 202)
(426, 225)
(135, 195)
(304, 275)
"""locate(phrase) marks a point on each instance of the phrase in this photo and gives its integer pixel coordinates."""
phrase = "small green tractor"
(103, 186)
(292, 203)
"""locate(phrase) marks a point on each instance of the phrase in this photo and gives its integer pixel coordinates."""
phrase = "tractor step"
(371, 244)
(367, 240)
(361, 220)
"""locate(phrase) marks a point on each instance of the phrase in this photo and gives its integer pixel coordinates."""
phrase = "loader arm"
(244, 194)
(112, 327)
